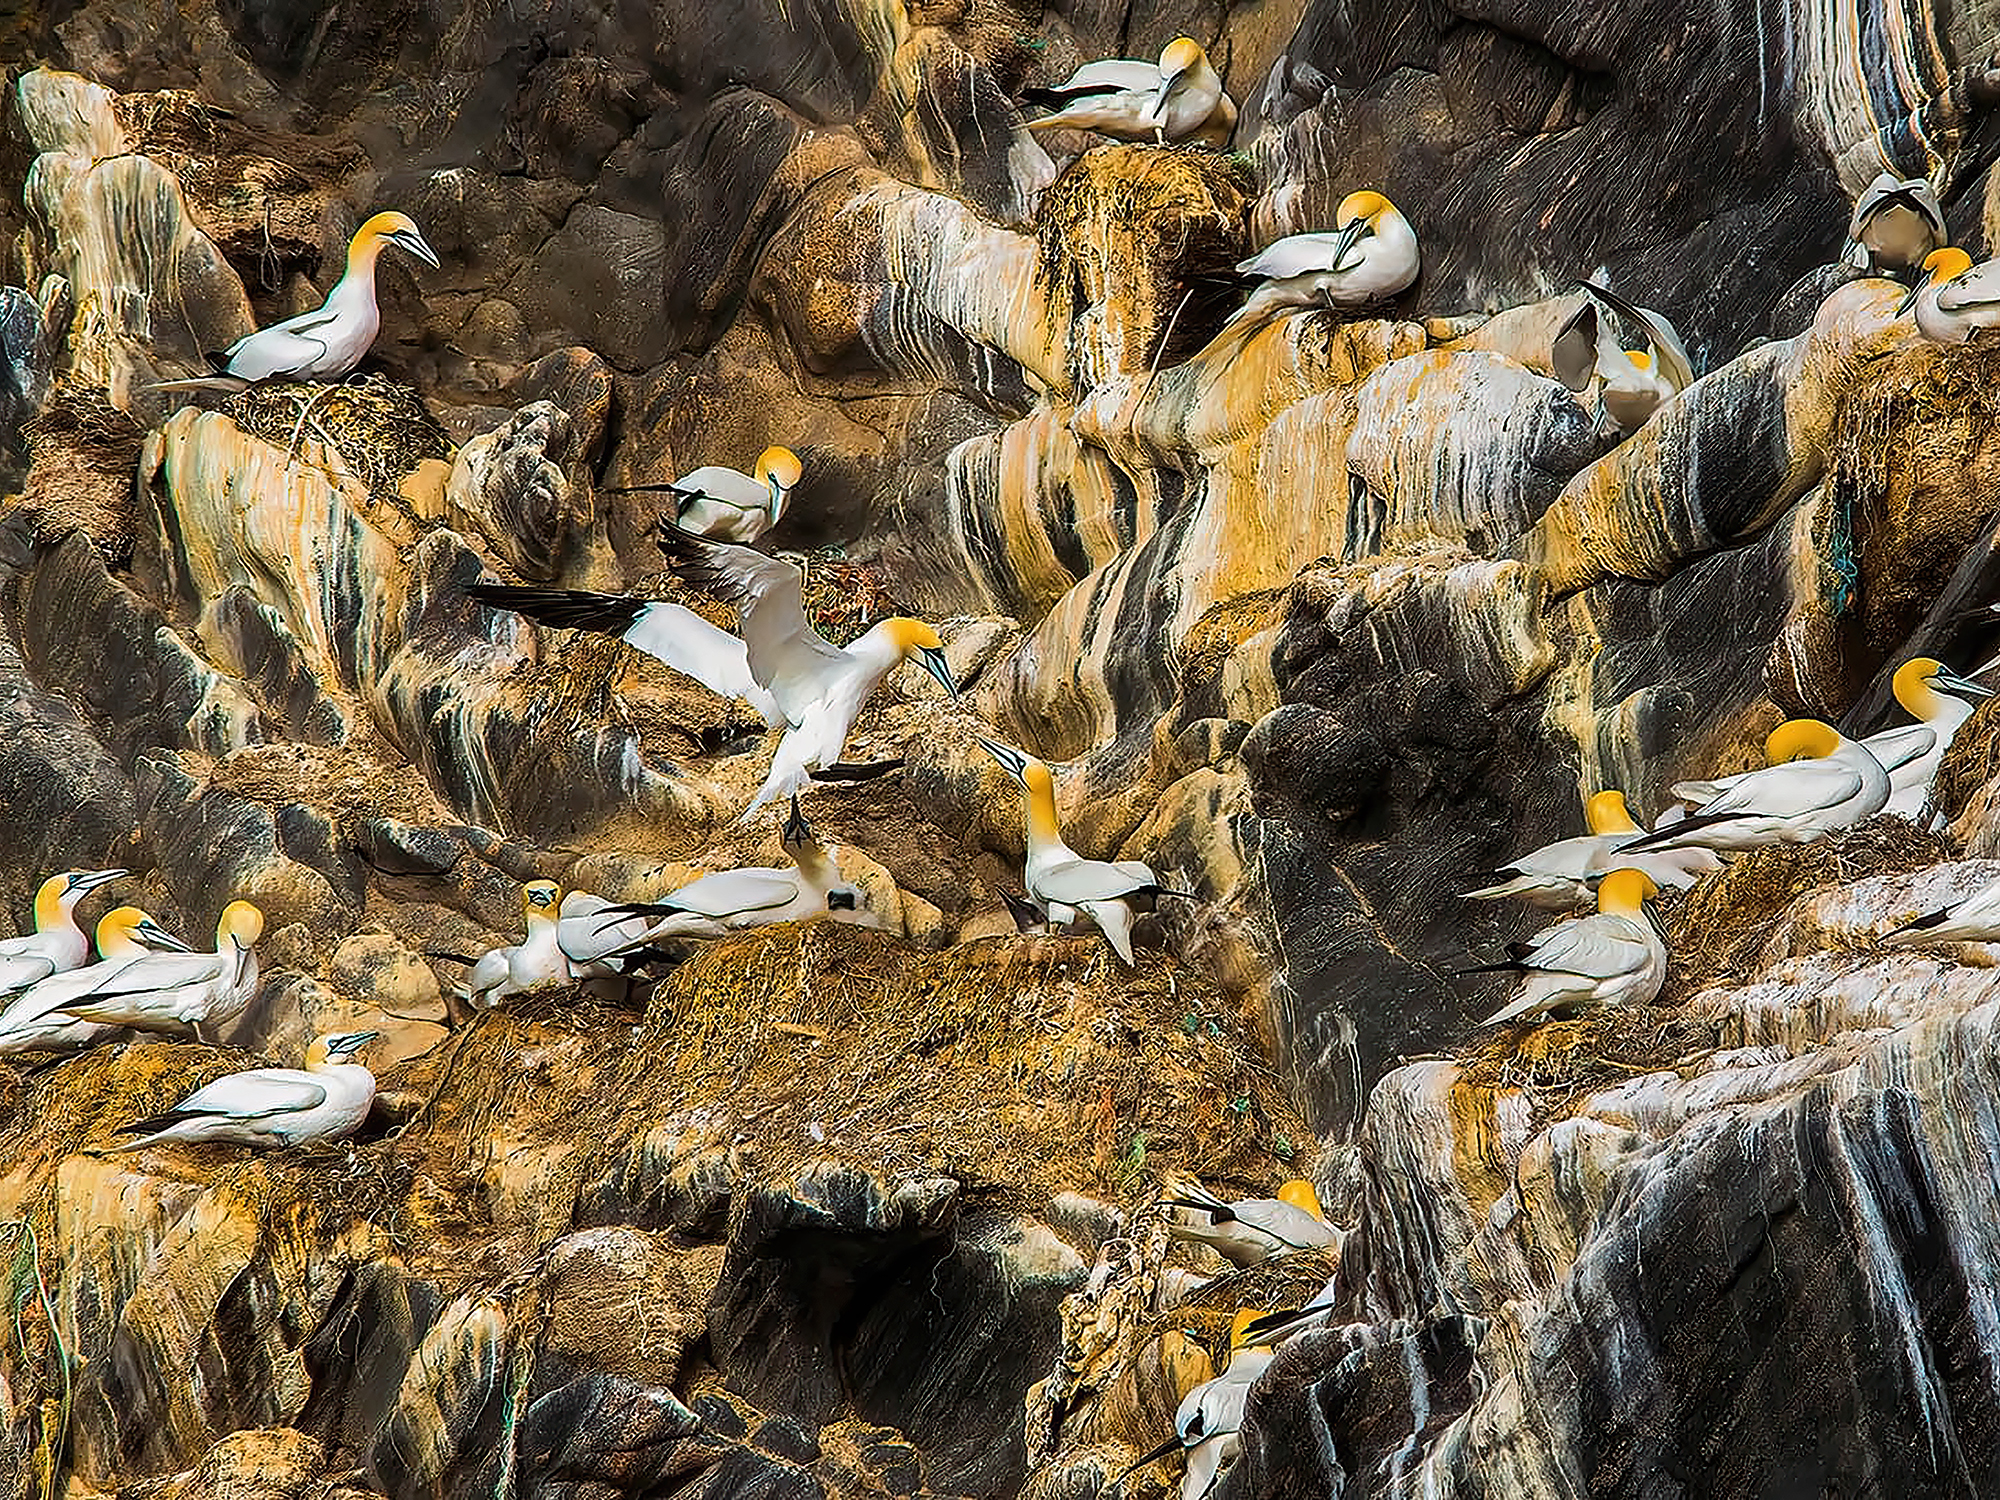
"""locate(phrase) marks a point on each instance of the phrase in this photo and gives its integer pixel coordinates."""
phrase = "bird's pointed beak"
(354, 1041)
(777, 499)
(1915, 292)
(153, 935)
(90, 880)
(1171, 1445)
(1958, 684)
(1350, 236)
(1011, 760)
(933, 662)
(1167, 86)
(418, 246)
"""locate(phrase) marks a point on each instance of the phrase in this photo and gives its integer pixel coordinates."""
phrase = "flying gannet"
(729, 505)
(1062, 882)
(1818, 780)
(1616, 957)
(727, 901)
(1631, 383)
(1896, 223)
(57, 944)
(327, 343)
(1369, 256)
(34, 1020)
(784, 669)
(1954, 299)
(176, 992)
(1210, 1417)
(1179, 98)
(1937, 698)
(1249, 1231)
(1559, 876)
(326, 1100)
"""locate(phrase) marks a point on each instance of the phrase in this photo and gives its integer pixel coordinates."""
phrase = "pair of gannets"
(326, 1100)
(1817, 781)
(1615, 957)
(1249, 1231)
(1369, 256)
(1632, 384)
(1180, 98)
(328, 342)
(57, 944)
(1954, 299)
(1559, 876)
(35, 1021)
(1209, 1420)
(788, 672)
(1897, 222)
(1062, 884)
(720, 502)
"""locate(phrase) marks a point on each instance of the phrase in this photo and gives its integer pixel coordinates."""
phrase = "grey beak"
(796, 829)
(1958, 684)
(1350, 236)
(1916, 291)
(935, 664)
(155, 936)
(418, 246)
(90, 880)
(1011, 760)
(1167, 87)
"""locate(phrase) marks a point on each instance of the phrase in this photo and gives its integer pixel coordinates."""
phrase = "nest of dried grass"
(1558, 1065)
(379, 430)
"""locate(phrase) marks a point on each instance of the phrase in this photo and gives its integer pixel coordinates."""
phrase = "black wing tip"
(568, 609)
(155, 1122)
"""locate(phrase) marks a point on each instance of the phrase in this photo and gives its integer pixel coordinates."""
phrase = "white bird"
(1369, 256)
(1973, 919)
(326, 1100)
(1631, 383)
(537, 959)
(1179, 98)
(34, 1020)
(328, 342)
(725, 503)
(1249, 1231)
(1062, 882)
(1616, 957)
(790, 673)
(1896, 223)
(174, 992)
(1954, 299)
(57, 943)
(1559, 876)
(595, 930)
(1817, 781)
(1210, 1417)
(1936, 697)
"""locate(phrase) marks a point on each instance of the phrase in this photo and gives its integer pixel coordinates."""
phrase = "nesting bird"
(1179, 98)
(327, 343)
(537, 959)
(1940, 701)
(1954, 299)
(1972, 919)
(783, 668)
(35, 1020)
(1632, 384)
(1817, 781)
(181, 992)
(326, 1100)
(57, 944)
(724, 503)
(1210, 1416)
(1559, 876)
(1616, 957)
(1250, 1231)
(1061, 882)
(1896, 223)
(1369, 256)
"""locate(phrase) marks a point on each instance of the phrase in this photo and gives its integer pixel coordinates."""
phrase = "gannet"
(1369, 256)
(1954, 299)
(327, 343)
(1973, 919)
(1210, 1417)
(790, 673)
(1936, 698)
(174, 992)
(34, 1020)
(1249, 1231)
(1062, 882)
(727, 901)
(537, 959)
(1896, 223)
(57, 943)
(1632, 383)
(725, 503)
(326, 1100)
(1616, 957)
(1558, 876)
(1817, 780)
(1179, 98)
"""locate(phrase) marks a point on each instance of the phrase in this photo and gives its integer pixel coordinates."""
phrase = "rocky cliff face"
(1319, 624)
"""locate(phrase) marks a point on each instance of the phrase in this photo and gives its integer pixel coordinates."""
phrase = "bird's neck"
(816, 864)
(52, 913)
(1044, 833)
(361, 258)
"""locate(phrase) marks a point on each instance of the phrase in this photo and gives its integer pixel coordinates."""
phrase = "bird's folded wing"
(1294, 255)
(1574, 352)
(1090, 880)
(731, 486)
(257, 1094)
(1786, 791)
(1593, 947)
(281, 349)
(1112, 75)
(1979, 287)
(123, 995)
(786, 655)
(1898, 747)
(58, 991)
(23, 969)
(730, 893)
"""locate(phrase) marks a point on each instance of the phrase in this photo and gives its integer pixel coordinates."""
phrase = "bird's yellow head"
(1180, 55)
(59, 894)
(1801, 739)
(1912, 685)
(540, 900)
(779, 467)
(1606, 812)
(1623, 892)
(1301, 1194)
(1364, 207)
(1946, 264)
(338, 1046)
(1640, 358)
(915, 641)
(389, 228)
(240, 923)
(1240, 1324)
(117, 929)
